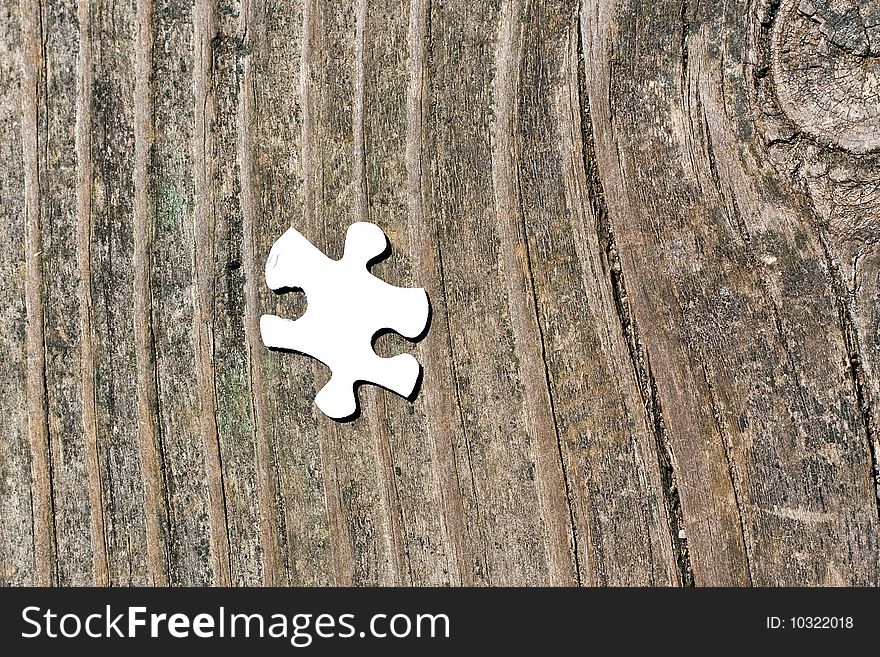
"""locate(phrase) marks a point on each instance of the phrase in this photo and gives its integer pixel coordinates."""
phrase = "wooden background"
(648, 231)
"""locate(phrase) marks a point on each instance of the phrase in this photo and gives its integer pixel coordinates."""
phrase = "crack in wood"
(638, 354)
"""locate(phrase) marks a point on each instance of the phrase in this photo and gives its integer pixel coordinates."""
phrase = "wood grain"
(23, 550)
(649, 241)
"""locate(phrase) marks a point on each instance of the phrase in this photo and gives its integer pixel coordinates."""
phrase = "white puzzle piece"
(347, 306)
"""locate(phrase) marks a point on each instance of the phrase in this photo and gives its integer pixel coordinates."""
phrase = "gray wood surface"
(649, 233)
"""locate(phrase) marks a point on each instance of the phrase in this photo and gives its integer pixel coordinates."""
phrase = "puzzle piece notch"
(347, 307)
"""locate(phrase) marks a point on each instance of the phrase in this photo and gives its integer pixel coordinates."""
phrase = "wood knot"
(825, 58)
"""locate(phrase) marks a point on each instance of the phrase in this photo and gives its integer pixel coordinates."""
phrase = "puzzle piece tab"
(347, 306)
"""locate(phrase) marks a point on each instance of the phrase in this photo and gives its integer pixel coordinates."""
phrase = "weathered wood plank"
(523, 532)
(444, 421)
(423, 478)
(80, 557)
(107, 187)
(152, 472)
(287, 417)
(181, 283)
(606, 437)
(45, 549)
(223, 231)
(21, 556)
(516, 269)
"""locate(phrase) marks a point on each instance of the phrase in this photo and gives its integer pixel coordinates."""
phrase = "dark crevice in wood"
(358, 127)
(731, 469)
(713, 162)
(152, 447)
(668, 476)
(639, 357)
(166, 467)
(770, 8)
(34, 71)
(282, 540)
(530, 278)
(849, 328)
(575, 552)
(36, 252)
(684, 24)
(205, 29)
(151, 402)
(214, 448)
(153, 311)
